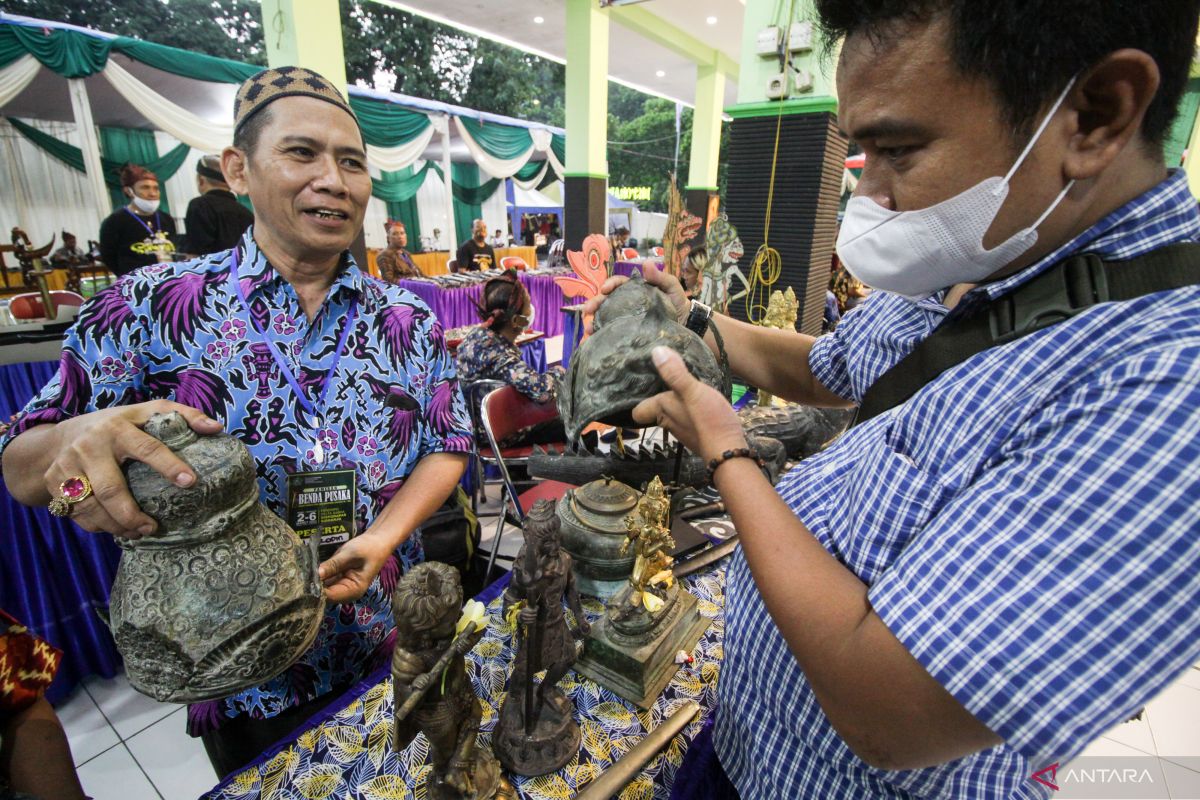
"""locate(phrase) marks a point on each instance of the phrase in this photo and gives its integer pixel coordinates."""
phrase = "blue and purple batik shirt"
(179, 332)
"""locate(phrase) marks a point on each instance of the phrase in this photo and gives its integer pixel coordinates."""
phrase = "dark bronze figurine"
(536, 733)
(433, 693)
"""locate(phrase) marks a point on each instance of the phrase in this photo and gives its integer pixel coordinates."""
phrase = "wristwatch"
(697, 318)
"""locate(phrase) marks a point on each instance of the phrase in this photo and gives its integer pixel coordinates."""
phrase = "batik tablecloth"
(345, 752)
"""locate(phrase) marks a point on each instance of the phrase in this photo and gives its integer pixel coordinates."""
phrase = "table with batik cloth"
(434, 262)
(345, 751)
(54, 576)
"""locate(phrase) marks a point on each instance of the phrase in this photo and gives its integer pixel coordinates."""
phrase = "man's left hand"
(350, 570)
(695, 413)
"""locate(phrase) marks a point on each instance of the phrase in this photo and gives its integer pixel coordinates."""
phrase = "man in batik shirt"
(285, 343)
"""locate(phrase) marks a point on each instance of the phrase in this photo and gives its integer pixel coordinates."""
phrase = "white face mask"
(145, 206)
(528, 318)
(916, 253)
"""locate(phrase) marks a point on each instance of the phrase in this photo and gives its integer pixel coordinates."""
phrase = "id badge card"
(321, 504)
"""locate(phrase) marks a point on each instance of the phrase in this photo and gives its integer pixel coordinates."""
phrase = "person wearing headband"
(137, 234)
(326, 374)
(490, 351)
(215, 220)
(999, 562)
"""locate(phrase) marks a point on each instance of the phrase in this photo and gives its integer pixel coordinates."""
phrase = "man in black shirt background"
(137, 235)
(215, 220)
(476, 253)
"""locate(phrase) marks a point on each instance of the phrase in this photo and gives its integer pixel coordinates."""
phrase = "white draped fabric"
(203, 134)
(494, 212)
(89, 143)
(542, 139)
(54, 196)
(16, 76)
(535, 181)
(181, 188)
(397, 158)
(431, 209)
(495, 167)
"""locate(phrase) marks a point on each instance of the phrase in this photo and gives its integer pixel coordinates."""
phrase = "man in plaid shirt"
(978, 582)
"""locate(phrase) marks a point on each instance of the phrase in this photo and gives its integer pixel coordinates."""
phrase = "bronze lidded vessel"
(225, 595)
(593, 531)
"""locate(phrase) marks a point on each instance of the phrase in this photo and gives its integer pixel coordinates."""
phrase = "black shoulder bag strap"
(1059, 293)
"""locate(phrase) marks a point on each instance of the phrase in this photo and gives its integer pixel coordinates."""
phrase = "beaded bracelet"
(741, 452)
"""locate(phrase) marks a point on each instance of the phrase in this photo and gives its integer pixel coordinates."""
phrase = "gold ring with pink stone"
(71, 491)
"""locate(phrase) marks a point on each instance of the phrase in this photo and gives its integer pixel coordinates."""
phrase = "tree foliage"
(390, 49)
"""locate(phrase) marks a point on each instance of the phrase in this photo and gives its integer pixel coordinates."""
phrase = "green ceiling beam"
(660, 31)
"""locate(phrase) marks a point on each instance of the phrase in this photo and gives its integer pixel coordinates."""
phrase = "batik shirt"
(486, 355)
(1027, 525)
(180, 332)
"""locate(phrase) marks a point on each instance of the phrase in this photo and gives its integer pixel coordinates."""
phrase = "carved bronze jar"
(612, 371)
(593, 531)
(225, 595)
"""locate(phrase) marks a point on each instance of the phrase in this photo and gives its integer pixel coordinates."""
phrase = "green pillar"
(706, 138)
(809, 162)
(305, 33)
(308, 33)
(585, 202)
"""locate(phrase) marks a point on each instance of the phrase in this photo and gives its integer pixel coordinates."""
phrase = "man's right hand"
(654, 276)
(95, 445)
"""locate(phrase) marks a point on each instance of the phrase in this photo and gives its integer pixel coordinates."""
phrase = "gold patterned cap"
(270, 85)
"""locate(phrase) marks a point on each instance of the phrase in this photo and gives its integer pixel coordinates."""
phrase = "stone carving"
(536, 733)
(432, 690)
(612, 372)
(225, 596)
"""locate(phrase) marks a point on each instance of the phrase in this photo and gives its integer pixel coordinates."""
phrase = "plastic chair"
(452, 265)
(513, 262)
(474, 393)
(629, 254)
(504, 413)
(658, 251)
(29, 305)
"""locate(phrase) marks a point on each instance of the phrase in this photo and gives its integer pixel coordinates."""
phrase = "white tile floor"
(128, 747)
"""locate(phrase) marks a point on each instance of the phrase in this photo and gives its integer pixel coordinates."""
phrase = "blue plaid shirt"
(1028, 525)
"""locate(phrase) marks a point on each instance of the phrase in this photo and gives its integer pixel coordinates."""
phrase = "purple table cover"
(54, 576)
(457, 306)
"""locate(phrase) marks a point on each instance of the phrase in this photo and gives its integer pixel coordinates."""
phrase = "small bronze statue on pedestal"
(632, 650)
(433, 694)
(536, 733)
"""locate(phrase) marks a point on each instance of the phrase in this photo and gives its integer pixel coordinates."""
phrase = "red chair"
(513, 262)
(504, 414)
(629, 254)
(29, 305)
(658, 251)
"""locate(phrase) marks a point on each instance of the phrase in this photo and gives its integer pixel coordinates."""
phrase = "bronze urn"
(612, 371)
(593, 531)
(225, 595)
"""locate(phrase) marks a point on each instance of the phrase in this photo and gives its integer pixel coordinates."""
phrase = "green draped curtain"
(558, 143)
(72, 54)
(399, 190)
(530, 170)
(162, 166)
(465, 211)
(387, 124)
(1180, 132)
(498, 141)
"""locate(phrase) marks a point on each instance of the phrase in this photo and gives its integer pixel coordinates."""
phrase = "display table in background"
(434, 262)
(54, 576)
(346, 749)
(458, 306)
